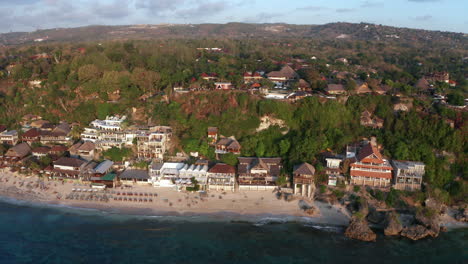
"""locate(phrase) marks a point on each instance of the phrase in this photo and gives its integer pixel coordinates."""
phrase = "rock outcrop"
(462, 215)
(415, 232)
(430, 220)
(359, 229)
(393, 225)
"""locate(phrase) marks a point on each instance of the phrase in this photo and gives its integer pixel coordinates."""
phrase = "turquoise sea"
(45, 234)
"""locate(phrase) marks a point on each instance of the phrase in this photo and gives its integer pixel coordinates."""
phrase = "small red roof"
(32, 133)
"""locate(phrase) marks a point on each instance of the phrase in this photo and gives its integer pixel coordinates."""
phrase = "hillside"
(347, 31)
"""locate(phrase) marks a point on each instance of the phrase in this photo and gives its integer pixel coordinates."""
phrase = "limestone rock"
(415, 232)
(393, 225)
(359, 229)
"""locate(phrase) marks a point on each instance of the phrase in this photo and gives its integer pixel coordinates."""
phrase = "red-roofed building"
(32, 135)
(221, 177)
(370, 168)
(250, 77)
(209, 77)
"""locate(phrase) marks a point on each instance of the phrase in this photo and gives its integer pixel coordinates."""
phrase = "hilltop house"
(212, 135)
(335, 89)
(362, 88)
(408, 175)
(250, 77)
(369, 121)
(221, 177)
(258, 173)
(283, 77)
(438, 77)
(370, 168)
(209, 77)
(228, 145)
(303, 176)
(223, 85)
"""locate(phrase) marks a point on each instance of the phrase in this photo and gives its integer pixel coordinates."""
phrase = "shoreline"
(218, 206)
(261, 206)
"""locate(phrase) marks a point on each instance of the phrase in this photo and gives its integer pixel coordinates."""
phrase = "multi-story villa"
(113, 123)
(152, 144)
(304, 179)
(9, 137)
(408, 175)
(199, 172)
(221, 177)
(165, 174)
(258, 173)
(370, 168)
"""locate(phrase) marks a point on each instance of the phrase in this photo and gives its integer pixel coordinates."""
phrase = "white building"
(408, 175)
(199, 172)
(113, 123)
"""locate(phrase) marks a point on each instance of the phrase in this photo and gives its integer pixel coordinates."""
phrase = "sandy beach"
(150, 201)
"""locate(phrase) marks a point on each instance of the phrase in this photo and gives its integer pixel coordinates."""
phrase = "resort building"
(408, 175)
(132, 176)
(40, 152)
(258, 173)
(221, 177)
(82, 150)
(166, 174)
(333, 170)
(370, 168)
(18, 152)
(9, 137)
(153, 144)
(304, 179)
(111, 123)
(199, 172)
(228, 145)
(68, 168)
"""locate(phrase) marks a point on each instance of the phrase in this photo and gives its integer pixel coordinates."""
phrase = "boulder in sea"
(359, 229)
(462, 215)
(429, 218)
(415, 232)
(393, 225)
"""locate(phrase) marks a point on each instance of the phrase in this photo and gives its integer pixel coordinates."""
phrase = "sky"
(30, 15)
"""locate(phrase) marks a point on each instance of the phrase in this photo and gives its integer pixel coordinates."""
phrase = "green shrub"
(323, 189)
(357, 188)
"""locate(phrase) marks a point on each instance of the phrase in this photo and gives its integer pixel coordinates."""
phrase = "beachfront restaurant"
(109, 180)
(132, 176)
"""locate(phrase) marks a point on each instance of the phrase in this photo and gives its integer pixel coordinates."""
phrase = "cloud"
(263, 17)
(424, 18)
(312, 8)
(116, 9)
(345, 10)
(371, 4)
(159, 6)
(203, 9)
(423, 1)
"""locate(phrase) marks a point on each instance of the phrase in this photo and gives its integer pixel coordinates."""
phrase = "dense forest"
(83, 81)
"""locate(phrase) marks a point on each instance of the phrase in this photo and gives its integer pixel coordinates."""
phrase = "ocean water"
(38, 234)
